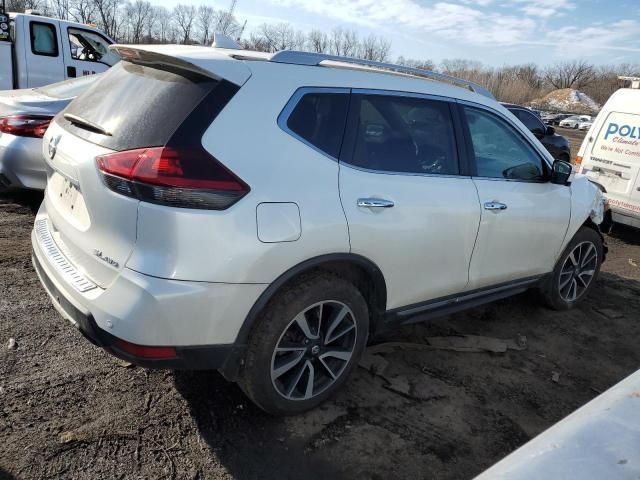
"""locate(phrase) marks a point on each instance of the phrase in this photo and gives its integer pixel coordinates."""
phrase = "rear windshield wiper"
(86, 124)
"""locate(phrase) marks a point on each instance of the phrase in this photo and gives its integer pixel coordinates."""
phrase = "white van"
(610, 154)
(37, 50)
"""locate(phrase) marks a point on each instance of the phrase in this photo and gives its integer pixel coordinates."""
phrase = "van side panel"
(611, 153)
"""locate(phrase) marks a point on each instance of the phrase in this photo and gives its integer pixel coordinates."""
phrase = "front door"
(524, 216)
(408, 209)
(86, 52)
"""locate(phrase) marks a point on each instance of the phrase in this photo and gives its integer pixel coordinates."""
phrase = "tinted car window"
(530, 121)
(140, 106)
(319, 118)
(403, 134)
(500, 152)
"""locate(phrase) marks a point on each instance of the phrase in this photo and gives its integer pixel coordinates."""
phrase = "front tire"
(305, 344)
(575, 272)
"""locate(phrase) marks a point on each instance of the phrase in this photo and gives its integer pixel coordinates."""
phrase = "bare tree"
(280, 36)
(184, 16)
(164, 24)
(82, 11)
(318, 41)
(60, 8)
(22, 5)
(137, 14)
(343, 42)
(150, 24)
(205, 20)
(107, 12)
(572, 74)
(421, 64)
(374, 48)
(226, 22)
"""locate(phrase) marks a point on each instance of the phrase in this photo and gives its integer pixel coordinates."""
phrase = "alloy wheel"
(313, 351)
(578, 270)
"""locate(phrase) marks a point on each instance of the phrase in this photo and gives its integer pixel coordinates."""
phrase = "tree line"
(139, 21)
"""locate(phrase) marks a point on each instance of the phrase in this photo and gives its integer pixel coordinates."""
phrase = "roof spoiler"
(163, 62)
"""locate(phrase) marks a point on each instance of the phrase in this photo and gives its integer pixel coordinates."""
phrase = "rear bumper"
(199, 320)
(21, 163)
(210, 357)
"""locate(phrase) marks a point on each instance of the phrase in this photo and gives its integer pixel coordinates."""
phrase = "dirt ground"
(69, 410)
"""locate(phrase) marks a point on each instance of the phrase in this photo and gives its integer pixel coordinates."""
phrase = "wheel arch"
(365, 275)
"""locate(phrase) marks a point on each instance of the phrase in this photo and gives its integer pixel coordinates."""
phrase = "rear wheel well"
(365, 275)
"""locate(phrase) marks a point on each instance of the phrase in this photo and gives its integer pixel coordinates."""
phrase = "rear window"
(139, 106)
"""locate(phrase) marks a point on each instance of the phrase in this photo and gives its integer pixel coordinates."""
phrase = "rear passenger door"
(524, 216)
(408, 208)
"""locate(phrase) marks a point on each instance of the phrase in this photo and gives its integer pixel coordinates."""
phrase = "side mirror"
(551, 131)
(561, 172)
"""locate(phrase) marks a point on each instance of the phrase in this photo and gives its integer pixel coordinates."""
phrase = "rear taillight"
(187, 178)
(25, 125)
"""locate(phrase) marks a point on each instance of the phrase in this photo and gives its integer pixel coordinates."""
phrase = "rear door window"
(393, 133)
(318, 119)
(139, 106)
(44, 40)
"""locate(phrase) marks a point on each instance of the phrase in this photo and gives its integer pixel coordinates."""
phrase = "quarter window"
(403, 134)
(319, 119)
(44, 40)
(500, 152)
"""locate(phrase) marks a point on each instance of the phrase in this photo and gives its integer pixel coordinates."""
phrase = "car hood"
(30, 101)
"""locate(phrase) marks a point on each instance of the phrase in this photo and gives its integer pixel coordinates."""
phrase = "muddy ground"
(69, 410)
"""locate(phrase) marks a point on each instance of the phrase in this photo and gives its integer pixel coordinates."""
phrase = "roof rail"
(315, 59)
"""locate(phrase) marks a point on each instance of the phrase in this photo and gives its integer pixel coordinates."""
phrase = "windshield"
(68, 88)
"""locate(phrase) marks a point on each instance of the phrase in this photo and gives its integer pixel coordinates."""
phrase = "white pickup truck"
(37, 50)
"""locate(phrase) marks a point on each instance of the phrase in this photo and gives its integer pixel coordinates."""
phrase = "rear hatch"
(614, 158)
(134, 106)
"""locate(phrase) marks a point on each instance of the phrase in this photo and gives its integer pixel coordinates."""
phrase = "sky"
(495, 32)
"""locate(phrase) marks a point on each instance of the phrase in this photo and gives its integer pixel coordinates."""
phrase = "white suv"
(265, 215)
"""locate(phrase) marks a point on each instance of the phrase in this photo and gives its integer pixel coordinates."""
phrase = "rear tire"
(305, 344)
(575, 272)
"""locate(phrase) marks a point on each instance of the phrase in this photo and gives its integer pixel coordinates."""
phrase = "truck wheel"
(305, 344)
(575, 272)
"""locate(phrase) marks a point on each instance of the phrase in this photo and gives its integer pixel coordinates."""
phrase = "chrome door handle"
(375, 203)
(494, 206)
